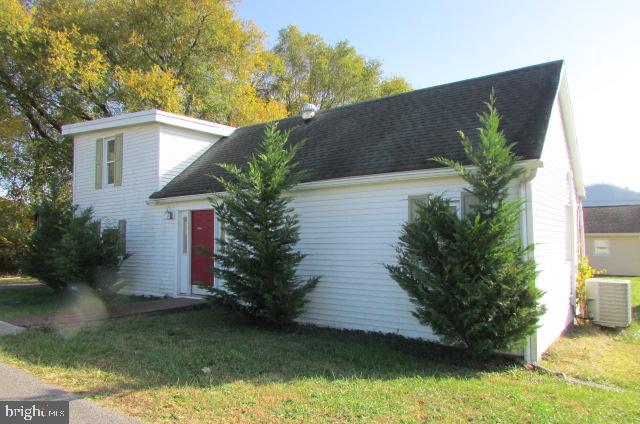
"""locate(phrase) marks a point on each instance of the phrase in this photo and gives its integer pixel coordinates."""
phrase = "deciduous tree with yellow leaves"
(64, 61)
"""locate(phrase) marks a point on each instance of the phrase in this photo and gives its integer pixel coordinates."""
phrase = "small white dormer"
(143, 149)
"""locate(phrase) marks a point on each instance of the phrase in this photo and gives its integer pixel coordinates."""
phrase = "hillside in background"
(609, 194)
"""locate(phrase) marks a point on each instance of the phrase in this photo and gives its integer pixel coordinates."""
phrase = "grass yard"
(42, 300)
(16, 279)
(603, 355)
(201, 366)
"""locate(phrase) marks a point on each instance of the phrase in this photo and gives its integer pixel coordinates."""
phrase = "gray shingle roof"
(396, 133)
(612, 219)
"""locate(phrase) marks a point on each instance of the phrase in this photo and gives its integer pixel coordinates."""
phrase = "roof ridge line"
(378, 99)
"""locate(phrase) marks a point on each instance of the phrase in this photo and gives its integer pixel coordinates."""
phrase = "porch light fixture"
(169, 215)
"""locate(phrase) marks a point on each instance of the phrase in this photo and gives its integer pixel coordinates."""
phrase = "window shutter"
(99, 160)
(413, 207)
(118, 163)
(122, 236)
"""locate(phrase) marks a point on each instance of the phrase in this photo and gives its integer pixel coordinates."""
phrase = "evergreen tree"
(67, 247)
(471, 278)
(87, 256)
(53, 215)
(257, 259)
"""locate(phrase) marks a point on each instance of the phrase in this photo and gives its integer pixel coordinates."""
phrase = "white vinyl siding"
(348, 234)
(554, 205)
(144, 270)
(178, 149)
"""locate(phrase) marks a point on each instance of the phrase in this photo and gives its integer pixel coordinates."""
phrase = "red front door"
(201, 238)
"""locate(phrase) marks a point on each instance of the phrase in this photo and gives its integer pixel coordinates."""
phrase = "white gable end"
(178, 148)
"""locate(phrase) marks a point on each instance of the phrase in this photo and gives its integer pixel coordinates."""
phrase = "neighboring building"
(613, 238)
(149, 173)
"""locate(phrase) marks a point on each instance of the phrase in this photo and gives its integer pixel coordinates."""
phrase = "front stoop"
(70, 319)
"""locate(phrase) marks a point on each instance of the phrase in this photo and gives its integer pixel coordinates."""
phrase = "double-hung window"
(108, 169)
(111, 160)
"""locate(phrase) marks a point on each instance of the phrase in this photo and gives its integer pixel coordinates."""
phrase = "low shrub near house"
(469, 276)
(257, 259)
(68, 248)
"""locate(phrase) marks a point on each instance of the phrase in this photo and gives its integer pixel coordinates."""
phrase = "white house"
(149, 173)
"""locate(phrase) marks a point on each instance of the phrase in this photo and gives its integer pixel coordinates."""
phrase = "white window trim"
(106, 162)
(608, 247)
(455, 200)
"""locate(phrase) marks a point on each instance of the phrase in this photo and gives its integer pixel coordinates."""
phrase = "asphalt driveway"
(19, 385)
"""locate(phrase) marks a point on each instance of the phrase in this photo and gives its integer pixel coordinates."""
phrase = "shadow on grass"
(590, 330)
(204, 348)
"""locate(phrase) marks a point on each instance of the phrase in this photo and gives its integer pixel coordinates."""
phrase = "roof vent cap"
(308, 111)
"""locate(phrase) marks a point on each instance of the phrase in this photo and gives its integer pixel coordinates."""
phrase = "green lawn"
(603, 355)
(42, 300)
(201, 366)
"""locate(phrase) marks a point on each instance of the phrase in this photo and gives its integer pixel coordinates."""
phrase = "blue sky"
(434, 42)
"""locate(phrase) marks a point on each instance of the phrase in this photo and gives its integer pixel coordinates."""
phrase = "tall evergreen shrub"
(257, 259)
(471, 278)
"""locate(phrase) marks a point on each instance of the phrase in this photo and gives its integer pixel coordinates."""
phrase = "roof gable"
(393, 134)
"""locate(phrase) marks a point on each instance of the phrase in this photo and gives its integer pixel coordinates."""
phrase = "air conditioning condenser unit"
(609, 302)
